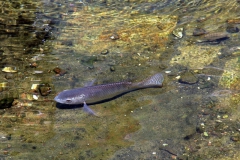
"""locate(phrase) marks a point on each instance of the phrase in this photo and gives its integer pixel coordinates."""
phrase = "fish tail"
(154, 81)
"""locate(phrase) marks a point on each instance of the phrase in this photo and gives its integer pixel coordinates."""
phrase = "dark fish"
(98, 93)
(216, 36)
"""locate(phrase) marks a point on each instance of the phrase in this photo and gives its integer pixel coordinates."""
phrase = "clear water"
(53, 45)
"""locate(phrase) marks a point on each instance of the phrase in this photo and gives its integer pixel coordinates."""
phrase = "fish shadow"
(68, 106)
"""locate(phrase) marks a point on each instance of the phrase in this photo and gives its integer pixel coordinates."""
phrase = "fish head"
(68, 97)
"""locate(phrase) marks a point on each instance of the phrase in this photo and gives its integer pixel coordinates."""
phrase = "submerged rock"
(188, 77)
(44, 89)
(88, 61)
(9, 70)
(235, 138)
(232, 29)
(59, 71)
(104, 52)
(178, 32)
(6, 103)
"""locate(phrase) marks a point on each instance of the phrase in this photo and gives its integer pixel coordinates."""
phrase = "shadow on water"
(66, 106)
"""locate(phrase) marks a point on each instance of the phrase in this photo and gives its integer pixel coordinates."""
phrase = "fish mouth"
(57, 99)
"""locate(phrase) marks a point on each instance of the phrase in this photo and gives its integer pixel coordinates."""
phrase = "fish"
(214, 37)
(100, 93)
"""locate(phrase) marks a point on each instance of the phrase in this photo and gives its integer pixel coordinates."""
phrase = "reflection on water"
(53, 45)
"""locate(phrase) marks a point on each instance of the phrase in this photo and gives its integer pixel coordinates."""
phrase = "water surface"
(53, 45)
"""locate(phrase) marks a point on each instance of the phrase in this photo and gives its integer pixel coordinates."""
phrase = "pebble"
(104, 52)
(35, 97)
(201, 19)
(44, 89)
(178, 32)
(205, 134)
(59, 71)
(33, 65)
(9, 70)
(114, 36)
(235, 138)
(34, 87)
(37, 72)
(112, 68)
(225, 116)
(13, 119)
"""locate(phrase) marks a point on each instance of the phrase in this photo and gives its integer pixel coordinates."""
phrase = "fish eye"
(68, 100)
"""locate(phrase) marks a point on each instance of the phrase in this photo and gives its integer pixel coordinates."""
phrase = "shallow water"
(53, 45)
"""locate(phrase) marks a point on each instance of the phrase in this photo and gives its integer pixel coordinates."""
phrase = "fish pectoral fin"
(88, 110)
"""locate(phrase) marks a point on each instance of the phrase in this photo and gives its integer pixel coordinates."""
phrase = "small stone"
(37, 72)
(201, 19)
(225, 116)
(9, 70)
(104, 52)
(34, 87)
(178, 32)
(35, 97)
(44, 89)
(114, 36)
(232, 29)
(112, 68)
(33, 65)
(205, 134)
(59, 71)
(235, 138)
(13, 119)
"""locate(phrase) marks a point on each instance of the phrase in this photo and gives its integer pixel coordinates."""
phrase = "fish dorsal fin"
(89, 83)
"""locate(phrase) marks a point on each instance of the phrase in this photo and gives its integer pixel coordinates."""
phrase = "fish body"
(98, 93)
(215, 36)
